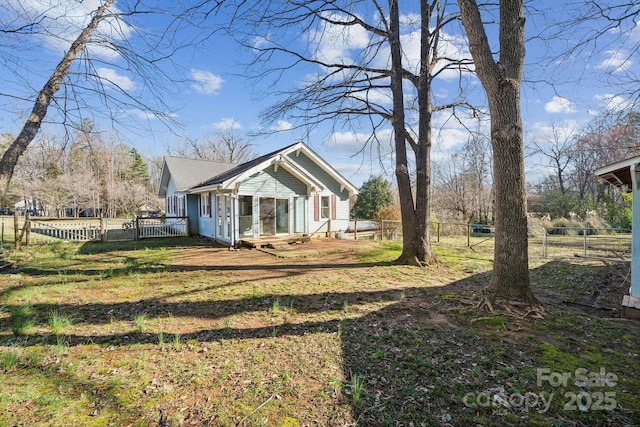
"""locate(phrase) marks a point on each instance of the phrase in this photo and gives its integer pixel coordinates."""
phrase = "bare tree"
(225, 146)
(113, 39)
(455, 189)
(610, 138)
(559, 149)
(462, 187)
(381, 84)
(45, 96)
(605, 34)
(86, 175)
(501, 80)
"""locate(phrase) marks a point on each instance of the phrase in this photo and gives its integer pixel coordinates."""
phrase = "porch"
(272, 242)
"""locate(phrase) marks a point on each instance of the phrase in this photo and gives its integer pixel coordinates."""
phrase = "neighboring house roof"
(187, 173)
(230, 178)
(620, 173)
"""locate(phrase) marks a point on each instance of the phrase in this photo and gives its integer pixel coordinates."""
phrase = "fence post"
(355, 229)
(16, 231)
(584, 234)
(103, 229)
(27, 229)
(187, 231)
(469, 235)
(135, 228)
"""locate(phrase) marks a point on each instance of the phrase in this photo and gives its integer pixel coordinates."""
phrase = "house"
(147, 210)
(626, 175)
(178, 176)
(289, 192)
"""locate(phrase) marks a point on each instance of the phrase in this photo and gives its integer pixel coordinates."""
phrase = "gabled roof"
(230, 178)
(187, 173)
(620, 173)
(215, 180)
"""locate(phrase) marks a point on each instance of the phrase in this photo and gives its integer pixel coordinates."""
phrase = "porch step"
(274, 242)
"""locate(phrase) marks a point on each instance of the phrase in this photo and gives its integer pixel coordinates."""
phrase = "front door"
(267, 216)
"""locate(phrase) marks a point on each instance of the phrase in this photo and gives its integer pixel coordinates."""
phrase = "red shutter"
(316, 207)
(333, 206)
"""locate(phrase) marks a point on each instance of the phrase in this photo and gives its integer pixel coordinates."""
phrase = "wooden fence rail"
(30, 230)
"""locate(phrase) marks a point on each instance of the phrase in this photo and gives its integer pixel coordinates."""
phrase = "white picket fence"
(44, 230)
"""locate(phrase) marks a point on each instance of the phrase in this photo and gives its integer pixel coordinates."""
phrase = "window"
(220, 211)
(227, 216)
(282, 216)
(181, 211)
(325, 207)
(170, 205)
(205, 205)
(245, 215)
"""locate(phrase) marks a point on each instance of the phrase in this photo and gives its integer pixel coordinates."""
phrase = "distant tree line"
(571, 188)
(463, 185)
(82, 176)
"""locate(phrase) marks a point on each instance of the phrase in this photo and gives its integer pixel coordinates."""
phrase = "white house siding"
(268, 183)
(341, 221)
(207, 226)
(319, 174)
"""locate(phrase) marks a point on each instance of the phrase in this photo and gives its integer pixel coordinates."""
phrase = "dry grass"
(329, 333)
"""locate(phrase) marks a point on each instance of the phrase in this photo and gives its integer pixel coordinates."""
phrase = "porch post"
(233, 201)
(633, 299)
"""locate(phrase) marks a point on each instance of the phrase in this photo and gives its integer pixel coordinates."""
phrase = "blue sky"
(212, 95)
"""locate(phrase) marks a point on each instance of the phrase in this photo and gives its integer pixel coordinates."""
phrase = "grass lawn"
(330, 333)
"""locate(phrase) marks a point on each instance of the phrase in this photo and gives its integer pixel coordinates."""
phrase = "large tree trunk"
(416, 247)
(423, 149)
(34, 121)
(501, 81)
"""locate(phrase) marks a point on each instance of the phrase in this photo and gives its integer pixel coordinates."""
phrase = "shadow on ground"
(424, 358)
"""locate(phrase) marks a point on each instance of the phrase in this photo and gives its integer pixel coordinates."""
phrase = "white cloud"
(227, 123)
(111, 77)
(361, 144)
(454, 48)
(335, 42)
(553, 132)
(618, 60)
(450, 137)
(451, 131)
(260, 42)
(206, 82)
(64, 20)
(347, 141)
(566, 126)
(281, 126)
(359, 172)
(146, 115)
(559, 104)
(612, 102)
(635, 33)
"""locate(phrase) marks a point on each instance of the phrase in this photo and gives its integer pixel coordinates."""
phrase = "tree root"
(516, 309)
